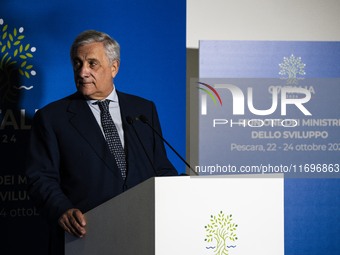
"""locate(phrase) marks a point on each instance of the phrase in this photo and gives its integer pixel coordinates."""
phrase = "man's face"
(93, 73)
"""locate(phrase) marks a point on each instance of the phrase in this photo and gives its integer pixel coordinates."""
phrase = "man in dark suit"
(70, 167)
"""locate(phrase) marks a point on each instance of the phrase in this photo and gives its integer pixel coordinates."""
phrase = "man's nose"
(84, 72)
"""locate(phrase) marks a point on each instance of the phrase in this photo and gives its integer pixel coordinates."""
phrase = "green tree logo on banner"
(222, 230)
(291, 68)
(15, 60)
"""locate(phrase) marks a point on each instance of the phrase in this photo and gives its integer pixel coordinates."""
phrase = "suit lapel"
(84, 122)
(124, 112)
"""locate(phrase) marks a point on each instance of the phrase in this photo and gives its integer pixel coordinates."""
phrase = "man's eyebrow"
(87, 59)
(92, 59)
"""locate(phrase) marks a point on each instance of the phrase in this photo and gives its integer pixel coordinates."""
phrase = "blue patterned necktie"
(111, 136)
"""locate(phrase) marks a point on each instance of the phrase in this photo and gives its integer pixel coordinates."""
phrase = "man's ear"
(115, 68)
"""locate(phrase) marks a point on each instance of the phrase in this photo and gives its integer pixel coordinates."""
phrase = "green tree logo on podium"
(221, 230)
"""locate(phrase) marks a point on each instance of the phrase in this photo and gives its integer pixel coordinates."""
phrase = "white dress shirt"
(114, 111)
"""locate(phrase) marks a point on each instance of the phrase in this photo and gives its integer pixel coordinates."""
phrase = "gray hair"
(112, 47)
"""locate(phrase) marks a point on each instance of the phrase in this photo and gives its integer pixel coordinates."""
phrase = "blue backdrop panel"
(312, 205)
(35, 69)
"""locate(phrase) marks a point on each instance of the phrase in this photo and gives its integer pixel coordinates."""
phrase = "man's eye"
(76, 65)
(93, 64)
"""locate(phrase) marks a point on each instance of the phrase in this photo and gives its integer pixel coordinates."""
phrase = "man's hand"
(73, 222)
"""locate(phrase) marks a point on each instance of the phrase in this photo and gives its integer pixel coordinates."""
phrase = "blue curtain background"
(152, 38)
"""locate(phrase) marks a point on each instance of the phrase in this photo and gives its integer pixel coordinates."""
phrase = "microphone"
(146, 121)
(129, 120)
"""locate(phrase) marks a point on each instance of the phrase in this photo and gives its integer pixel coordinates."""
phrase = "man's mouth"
(85, 84)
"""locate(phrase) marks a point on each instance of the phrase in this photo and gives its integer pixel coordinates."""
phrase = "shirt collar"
(112, 97)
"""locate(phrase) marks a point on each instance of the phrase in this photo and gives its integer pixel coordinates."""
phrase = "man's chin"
(92, 95)
(86, 92)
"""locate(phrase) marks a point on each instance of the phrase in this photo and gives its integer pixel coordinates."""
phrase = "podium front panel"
(189, 215)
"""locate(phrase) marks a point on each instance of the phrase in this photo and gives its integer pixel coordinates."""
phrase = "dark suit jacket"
(69, 164)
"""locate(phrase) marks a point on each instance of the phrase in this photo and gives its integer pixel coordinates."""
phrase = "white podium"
(188, 215)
